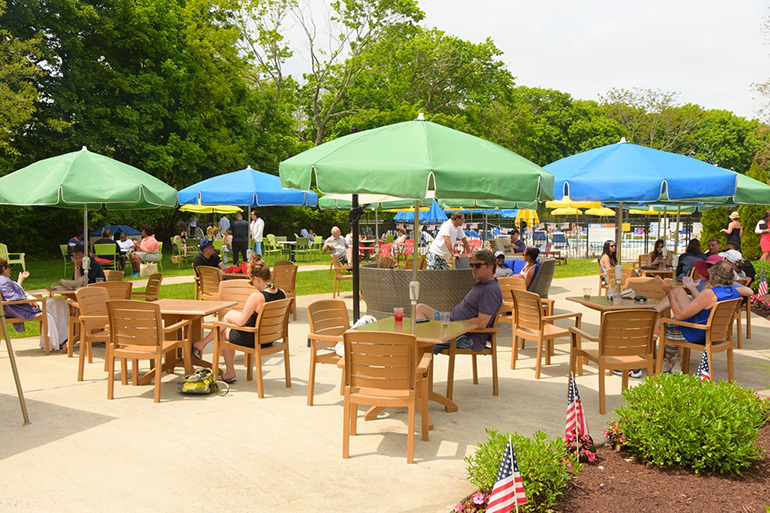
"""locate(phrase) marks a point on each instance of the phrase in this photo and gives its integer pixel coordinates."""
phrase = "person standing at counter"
(441, 249)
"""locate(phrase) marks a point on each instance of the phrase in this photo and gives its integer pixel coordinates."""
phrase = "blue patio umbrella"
(247, 187)
(626, 172)
(115, 228)
(433, 216)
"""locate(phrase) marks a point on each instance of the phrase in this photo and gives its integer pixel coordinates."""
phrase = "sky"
(710, 51)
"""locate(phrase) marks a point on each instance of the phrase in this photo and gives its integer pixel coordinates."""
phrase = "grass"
(46, 272)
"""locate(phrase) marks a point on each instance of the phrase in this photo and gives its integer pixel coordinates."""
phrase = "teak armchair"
(116, 289)
(152, 289)
(719, 337)
(382, 369)
(285, 278)
(94, 322)
(341, 272)
(328, 321)
(625, 342)
(207, 282)
(42, 318)
(137, 332)
(532, 324)
(271, 335)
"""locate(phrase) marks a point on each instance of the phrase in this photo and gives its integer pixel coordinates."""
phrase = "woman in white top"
(528, 272)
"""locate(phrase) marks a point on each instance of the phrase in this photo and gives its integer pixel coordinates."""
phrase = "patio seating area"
(73, 421)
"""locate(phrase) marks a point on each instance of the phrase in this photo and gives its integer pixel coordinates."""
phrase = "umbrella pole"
(85, 240)
(485, 226)
(619, 231)
(413, 294)
(376, 227)
(14, 369)
(676, 239)
(354, 217)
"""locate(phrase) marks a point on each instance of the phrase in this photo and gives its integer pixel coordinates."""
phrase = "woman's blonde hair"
(258, 268)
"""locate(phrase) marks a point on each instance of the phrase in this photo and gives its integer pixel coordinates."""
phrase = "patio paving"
(241, 453)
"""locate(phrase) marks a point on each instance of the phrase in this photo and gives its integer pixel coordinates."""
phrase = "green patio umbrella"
(412, 159)
(85, 180)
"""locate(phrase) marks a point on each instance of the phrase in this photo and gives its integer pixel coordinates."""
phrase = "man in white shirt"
(257, 227)
(442, 248)
(224, 225)
(337, 245)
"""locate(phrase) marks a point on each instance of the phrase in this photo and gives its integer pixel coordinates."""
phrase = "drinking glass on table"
(398, 313)
(586, 293)
(445, 318)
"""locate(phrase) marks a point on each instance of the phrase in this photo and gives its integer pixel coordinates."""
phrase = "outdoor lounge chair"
(12, 258)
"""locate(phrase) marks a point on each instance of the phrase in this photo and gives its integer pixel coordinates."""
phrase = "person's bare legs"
(229, 355)
(135, 262)
(425, 312)
(201, 344)
(680, 296)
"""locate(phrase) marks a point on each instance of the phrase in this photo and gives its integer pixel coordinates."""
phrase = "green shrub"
(544, 467)
(677, 420)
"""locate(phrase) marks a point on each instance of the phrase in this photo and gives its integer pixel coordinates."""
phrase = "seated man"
(208, 256)
(518, 245)
(478, 308)
(337, 245)
(95, 270)
(147, 245)
(108, 259)
(502, 271)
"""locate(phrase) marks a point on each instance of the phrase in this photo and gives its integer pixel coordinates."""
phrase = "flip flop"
(196, 353)
(229, 381)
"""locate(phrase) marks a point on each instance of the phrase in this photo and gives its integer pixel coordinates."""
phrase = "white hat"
(499, 254)
(732, 256)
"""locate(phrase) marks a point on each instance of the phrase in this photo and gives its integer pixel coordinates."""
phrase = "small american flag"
(576, 419)
(703, 368)
(762, 290)
(508, 492)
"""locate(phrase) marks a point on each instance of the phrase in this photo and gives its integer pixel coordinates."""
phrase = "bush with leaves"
(677, 420)
(545, 470)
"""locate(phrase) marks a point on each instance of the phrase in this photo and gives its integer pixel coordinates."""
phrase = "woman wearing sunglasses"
(609, 259)
(527, 273)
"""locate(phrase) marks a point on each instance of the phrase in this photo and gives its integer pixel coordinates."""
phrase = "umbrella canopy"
(747, 192)
(247, 187)
(566, 211)
(603, 211)
(408, 159)
(211, 209)
(627, 172)
(411, 159)
(566, 202)
(83, 179)
(658, 210)
(116, 228)
(528, 216)
(434, 215)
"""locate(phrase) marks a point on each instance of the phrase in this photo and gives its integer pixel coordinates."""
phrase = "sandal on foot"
(196, 353)
(229, 381)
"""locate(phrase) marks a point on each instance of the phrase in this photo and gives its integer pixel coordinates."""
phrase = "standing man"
(257, 228)
(224, 225)
(442, 248)
(240, 229)
(518, 245)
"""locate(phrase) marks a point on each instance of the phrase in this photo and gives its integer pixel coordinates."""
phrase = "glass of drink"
(398, 313)
(99, 280)
(444, 318)
(586, 293)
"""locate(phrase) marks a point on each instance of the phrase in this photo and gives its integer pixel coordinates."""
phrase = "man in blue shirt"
(518, 245)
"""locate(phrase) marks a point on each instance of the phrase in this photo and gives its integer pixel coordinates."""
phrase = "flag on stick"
(508, 492)
(703, 369)
(576, 419)
(762, 290)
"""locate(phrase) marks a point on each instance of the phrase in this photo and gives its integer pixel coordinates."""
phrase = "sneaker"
(635, 373)
(617, 372)
(667, 365)
(134, 275)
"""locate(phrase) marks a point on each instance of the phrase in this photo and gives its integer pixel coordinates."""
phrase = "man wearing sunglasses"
(478, 307)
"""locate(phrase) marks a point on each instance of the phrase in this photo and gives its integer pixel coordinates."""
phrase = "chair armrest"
(583, 334)
(576, 315)
(685, 324)
(329, 338)
(424, 365)
(17, 255)
(483, 330)
(94, 318)
(222, 324)
(22, 301)
(177, 325)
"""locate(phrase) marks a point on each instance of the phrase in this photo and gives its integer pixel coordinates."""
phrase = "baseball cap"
(701, 266)
(204, 244)
(732, 255)
(499, 254)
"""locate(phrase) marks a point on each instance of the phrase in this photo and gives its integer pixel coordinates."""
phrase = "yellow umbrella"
(566, 211)
(528, 216)
(209, 209)
(603, 211)
(652, 212)
(566, 202)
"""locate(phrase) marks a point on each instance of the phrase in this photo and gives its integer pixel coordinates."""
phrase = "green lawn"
(46, 272)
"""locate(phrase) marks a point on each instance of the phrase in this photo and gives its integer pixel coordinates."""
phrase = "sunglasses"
(477, 266)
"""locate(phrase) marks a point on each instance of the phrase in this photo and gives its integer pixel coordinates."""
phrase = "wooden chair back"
(695, 275)
(627, 332)
(380, 360)
(93, 300)
(285, 278)
(236, 290)
(273, 321)
(328, 317)
(422, 263)
(528, 310)
(721, 320)
(135, 323)
(339, 269)
(386, 262)
(210, 278)
(152, 290)
(646, 287)
(113, 275)
(116, 289)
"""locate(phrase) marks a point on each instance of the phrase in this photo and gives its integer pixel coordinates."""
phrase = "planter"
(384, 289)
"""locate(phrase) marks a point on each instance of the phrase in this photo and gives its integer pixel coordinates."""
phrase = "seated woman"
(528, 272)
(687, 261)
(656, 258)
(697, 309)
(259, 274)
(401, 239)
(608, 259)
